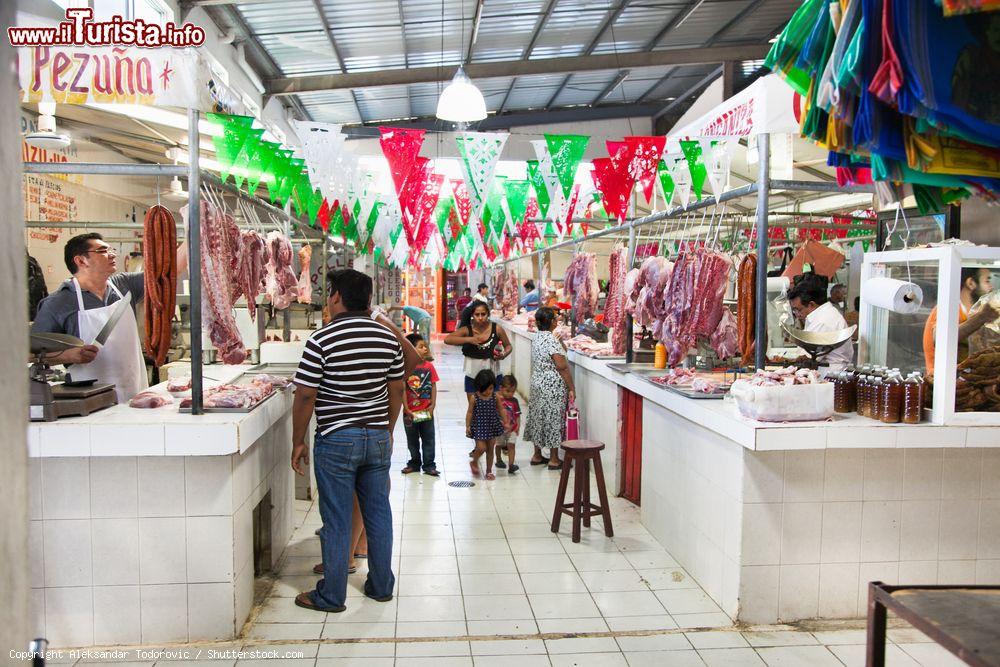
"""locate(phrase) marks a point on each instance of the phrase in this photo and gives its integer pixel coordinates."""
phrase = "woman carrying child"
(485, 420)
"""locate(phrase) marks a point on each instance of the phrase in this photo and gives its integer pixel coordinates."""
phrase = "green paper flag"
(313, 205)
(566, 150)
(666, 182)
(441, 213)
(538, 185)
(692, 153)
(517, 199)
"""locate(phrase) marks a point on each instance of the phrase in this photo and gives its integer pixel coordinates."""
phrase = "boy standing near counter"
(418, 411)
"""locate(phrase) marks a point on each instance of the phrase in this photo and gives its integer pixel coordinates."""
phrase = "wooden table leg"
(876, 629)
(602, 493)
(561, 494)
(586, 492)
(577, 498)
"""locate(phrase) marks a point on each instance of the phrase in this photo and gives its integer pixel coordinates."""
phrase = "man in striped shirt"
(352, 375)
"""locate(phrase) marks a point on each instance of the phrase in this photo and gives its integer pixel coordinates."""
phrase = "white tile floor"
(481, 580)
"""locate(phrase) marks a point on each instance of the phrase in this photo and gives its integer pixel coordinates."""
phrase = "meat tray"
(209, 411)
(688, 393)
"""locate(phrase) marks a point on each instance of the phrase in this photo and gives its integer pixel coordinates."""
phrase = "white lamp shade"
(461, 101)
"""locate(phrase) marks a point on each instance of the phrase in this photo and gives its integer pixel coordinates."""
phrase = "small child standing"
(485, 421)
(507, 441)
(418, 410)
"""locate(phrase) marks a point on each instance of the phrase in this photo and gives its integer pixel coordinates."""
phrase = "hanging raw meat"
(305, 277)
(282, 283)
(217, 288)
(614, 304)
(511, 295)
(159, 255)
(693, 301)
(654, 276)
(250, 268)
(725, 340)
(581, 284)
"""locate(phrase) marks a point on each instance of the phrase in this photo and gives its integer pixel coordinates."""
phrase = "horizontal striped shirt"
(350, 362)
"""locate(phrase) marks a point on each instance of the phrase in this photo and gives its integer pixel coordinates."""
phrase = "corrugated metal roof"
(393, 34)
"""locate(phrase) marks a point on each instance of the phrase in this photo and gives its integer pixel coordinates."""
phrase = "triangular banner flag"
(566, 150)
(538, 185)
(646, 152)
(517, 199)
(400, 147)
(696, 165)
(681, 174)
(480, 153)
(666, 183)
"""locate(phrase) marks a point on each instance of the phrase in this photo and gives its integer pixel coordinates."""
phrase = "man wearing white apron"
(84, 303)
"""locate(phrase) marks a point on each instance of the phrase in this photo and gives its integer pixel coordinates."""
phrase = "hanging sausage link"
(160, 266)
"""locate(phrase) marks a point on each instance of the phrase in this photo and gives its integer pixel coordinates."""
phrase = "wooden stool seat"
(578, 454)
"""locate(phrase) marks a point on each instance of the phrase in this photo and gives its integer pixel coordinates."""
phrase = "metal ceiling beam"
(608, 22)
(336, 49)
(526, 54)
(490, 70)
(618, 80)
(474, 35)
(693, 90)
(406, 60)
(720, 33)
(675, 21)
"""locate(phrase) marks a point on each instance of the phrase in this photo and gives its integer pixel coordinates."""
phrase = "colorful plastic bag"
(572, 422)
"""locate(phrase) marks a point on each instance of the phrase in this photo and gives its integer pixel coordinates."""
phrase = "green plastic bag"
(782, 56)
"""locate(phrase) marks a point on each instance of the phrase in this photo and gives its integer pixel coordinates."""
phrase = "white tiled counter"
(142, 520)
(782, 522)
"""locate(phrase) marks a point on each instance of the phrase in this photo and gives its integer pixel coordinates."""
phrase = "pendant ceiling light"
(461, 101)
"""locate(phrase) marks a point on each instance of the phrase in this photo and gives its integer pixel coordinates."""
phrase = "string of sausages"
(159, 254)
(746, 305)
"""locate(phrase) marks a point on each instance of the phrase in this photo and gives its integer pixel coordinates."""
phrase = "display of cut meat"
(282, 283)
(693, 302)
(159, 255)
(614, 304)
(233, 395)
(654, 276)
(178, 385)
(631, 291)
(305, 274)
(581, 283)
(276, 381)
(150, 399)
(688, 379)
(785, 376)
(586, 345)
(725, 338)
(218, 277)
(506, 291)
(250, 268)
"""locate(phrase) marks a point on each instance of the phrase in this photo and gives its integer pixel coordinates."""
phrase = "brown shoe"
(318, 569)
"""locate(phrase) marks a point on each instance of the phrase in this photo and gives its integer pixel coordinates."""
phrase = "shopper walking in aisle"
(462, 302)
(485, 420)
(418, 411)
(351, 374)
(551, 385)
(508, 440)
(483, 344)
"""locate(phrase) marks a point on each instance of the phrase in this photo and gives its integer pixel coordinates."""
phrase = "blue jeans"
(417, 434)
(347, 461)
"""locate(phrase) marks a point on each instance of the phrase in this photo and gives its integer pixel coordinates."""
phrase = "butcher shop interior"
(501, 333)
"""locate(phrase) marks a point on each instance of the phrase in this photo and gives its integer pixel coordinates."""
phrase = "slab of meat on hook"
(282, 283)
(218, 287)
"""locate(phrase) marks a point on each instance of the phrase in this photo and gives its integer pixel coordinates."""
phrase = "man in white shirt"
(811, 307)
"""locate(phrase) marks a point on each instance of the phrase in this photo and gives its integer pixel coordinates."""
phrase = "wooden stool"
(579, 453)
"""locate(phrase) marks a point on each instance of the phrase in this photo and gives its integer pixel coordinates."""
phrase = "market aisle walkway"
(480, 576)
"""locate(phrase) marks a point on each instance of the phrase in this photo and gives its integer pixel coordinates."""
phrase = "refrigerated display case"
(453, 285)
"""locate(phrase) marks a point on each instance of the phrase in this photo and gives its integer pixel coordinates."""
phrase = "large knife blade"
(121, 306)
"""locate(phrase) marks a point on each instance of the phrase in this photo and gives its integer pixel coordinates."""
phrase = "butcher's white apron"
(120, 359)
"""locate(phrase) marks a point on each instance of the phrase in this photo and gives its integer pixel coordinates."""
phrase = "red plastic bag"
(572, 422)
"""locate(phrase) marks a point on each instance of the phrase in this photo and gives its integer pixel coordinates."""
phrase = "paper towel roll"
(779, 284)
(896, 295)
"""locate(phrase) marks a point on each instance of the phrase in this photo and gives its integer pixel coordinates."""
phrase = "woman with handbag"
(551, 385)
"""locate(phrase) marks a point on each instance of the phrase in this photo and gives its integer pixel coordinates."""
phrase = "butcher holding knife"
(97, 305)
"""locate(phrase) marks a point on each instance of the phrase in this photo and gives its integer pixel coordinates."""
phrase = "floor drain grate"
(462, 484)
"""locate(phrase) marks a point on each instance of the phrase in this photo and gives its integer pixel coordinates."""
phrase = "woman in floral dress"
(551, 384)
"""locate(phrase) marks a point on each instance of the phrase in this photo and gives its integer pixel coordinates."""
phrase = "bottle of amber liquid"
(913, 404)
(660, 356)
(892, 398)
(840, 400)
(851, 388)
(875, 398)
(863, 403)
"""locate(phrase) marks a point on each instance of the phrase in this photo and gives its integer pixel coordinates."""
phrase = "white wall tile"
(161, 486)
(763, 475)
(798, 592)
(114, 487)
(887, 573)
(962, 473)
(36, 554)
(838, 590)
(880, 530)
(65, 488)
(988, 572)
(991, 471)
(162, 551)
(918, 572)
(164, 613)
(209, 549)
(122, 440)
(956, 572)
(211, 611)
(883, 474)
(759, 594)
(116, 551)
(64, 439)
(863, 437)
(243, 595)
(844, 474)
(116, 615)
(982, 436)
(69, 616)
(208, 481)
(959, 529)
(801, 531)
(804, 472)
(34, 440)
(243, 536)
(989, 529)
(200, 439)
(932, 436)
(67, 553)
(922, 474)
(761, 541)
(34, 488)
(919, 527)
(36, 612)
(841, 542)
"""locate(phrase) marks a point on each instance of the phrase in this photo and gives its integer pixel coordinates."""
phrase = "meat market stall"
(780, 520)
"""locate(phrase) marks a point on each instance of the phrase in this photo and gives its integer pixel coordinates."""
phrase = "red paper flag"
(423, 209)
(613, 186)
(400, 147)
(462, 201)
(323, 216)
(644, 159)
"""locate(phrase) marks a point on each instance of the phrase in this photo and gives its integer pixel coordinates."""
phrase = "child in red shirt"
(418, 411)
(506, 442)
